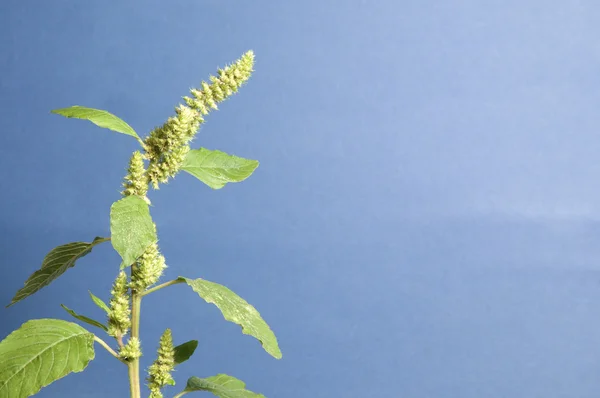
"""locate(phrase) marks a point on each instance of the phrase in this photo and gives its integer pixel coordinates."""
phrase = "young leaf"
(221, 385)
(216, 168)
(99, 303)
(184, 351)
(99, 118)
(84, 318)
(131, 228)
(40, 352)
(235, 309)
(56, 262)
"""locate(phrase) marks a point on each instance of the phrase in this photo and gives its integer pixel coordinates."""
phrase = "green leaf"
(221, 385)
(84, 318)
(235, 309)
(216, 168)
(131, 228)
(56, 262)
(184, 351)
(99, 118)
(40, 352)
(99, 302)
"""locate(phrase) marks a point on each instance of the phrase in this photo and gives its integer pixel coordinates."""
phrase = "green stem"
(134, 387)
(134, 365)
(181, 394)
(155, 288)
(107, 347)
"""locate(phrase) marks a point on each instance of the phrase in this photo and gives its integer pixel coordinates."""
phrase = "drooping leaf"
(84, 318)
(184, 351)
(131, 228)
(99, 117)
(221, 385)
(235, 309)
(56, 262)
(216, 168)
(40, 352)
(99, 302)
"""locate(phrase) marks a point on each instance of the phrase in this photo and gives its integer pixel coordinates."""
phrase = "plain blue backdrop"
(424, 222)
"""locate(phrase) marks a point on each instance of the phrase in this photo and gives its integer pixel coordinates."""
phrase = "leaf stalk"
(108, 348)
(158, 287)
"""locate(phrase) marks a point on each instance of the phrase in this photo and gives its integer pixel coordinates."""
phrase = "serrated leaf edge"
(90, 343)
(276, 355)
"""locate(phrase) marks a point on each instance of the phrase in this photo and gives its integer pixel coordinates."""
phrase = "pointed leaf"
(84, 318)
(40, 352)
(99, 118)
(56, 262)
(184, 351)
(221, 385)
(216, 168)
(131, 228)
(99, 302)
(235, 309)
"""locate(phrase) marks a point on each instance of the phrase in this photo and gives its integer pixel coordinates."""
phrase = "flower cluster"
(119, 316)
(159, 373)
(148, 269)
(136, 181)
(131, 350)
(167, 146)
(228, 82)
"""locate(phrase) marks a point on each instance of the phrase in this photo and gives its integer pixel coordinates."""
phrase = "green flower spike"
(149, 268)
(119, 319)
(131, 350)
(159, 373)
(136, 181)
(167, 146)
(229, 81)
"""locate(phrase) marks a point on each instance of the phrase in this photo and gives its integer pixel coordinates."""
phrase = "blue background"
(424, 221)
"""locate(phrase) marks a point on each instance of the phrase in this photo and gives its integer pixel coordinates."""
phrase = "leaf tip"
(12, 302)
(59, 111)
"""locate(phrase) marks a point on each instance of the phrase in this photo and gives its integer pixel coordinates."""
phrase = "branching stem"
(155, 288)
(108, 348)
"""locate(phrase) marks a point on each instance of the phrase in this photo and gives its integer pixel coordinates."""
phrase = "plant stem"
(107, 347)
(155, 288)
(134, 385)
(181, 394)
(134, 365)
